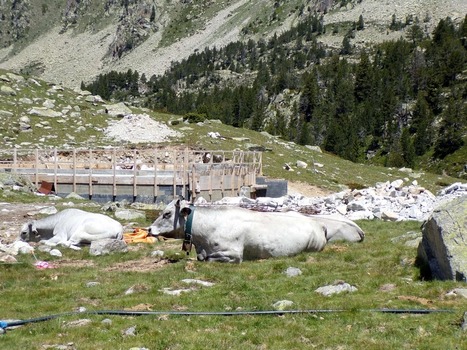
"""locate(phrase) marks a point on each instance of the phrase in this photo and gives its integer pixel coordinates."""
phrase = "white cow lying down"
(232, 234)
(71, 227)
(339, 228)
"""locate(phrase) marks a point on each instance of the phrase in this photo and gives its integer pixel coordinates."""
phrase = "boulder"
(107, 246)
(5, 114)
(44, 112)
(6, 90)
(117, 110)
(442, 252)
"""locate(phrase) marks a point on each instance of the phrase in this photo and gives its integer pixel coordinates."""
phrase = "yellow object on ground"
(139, 235)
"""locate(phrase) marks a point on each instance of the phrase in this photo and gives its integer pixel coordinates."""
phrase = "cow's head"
(171, 221)
(28, 231)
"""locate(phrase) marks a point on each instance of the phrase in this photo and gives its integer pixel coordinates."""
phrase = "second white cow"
(72, 227)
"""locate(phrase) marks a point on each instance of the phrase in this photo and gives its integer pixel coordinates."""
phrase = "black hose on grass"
(4, 324)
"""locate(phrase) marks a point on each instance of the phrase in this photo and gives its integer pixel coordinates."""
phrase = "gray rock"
(388, 215)
(17, 247)
(200, 282)
(443, 249)
(130, 331)
(314, 148)
(25, 101)
(44, 112)
(107, 246)
(129, 214)
(457, 292)
(106, 322)
(282, 305)
(92, 284)
(117, 110)
(336, 288)
(293, 272)
(7, 258)
(49, 104)
(56, 252)
(78, 323)
(74, 195)
(15, 77)
(6, 90)
(5, 114)
(157, 253)
(301, 164)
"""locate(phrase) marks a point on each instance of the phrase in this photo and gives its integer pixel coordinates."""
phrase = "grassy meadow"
(382, 268)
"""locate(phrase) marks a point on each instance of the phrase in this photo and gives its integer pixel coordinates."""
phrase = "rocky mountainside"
(73, 41)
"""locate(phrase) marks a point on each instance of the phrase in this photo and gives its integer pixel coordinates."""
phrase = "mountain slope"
(91, 39)
(48, 127)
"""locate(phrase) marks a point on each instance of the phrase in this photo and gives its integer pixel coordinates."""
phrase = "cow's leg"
(52, 242)
(225, 256)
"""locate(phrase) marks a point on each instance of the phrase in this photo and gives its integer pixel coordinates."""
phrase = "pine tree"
(364, 83)
(309, 94)
(422, 118)
(407, 148)
(346, 45)
(360, 23)
(452, 129)
(152, 17)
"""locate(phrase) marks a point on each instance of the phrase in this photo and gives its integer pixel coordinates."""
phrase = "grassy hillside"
(83, 123)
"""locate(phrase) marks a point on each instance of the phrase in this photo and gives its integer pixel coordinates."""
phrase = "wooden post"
(55, 168)
(185, 170)
(260, 164)
(175, 174)
(135, 175)
(114, 160)
(90, 173)
(156, 189)
(36, 180)
(193, 179)
(15, 160)
(74, 170)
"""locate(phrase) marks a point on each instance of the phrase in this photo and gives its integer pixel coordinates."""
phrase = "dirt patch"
(306, 189)
(141, 265)
(73, 263)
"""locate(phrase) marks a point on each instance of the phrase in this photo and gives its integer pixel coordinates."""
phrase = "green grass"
(253, 285)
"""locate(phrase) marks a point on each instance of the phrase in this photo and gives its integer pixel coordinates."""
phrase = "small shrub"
(194, 118)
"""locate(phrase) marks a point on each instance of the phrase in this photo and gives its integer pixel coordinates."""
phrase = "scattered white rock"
(336, 288)
(293, 272)
(56, 252)
(92, 284)
(282, 305)
(200, 282)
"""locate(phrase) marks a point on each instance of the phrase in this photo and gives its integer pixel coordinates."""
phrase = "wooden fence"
(133, 172)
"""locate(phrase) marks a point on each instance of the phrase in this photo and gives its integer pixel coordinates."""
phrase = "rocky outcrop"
(442, 252)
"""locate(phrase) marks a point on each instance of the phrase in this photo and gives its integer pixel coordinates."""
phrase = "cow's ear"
(186, 211)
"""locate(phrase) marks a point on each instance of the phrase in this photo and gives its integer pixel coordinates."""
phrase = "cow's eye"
(166, 215)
